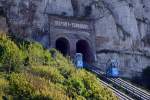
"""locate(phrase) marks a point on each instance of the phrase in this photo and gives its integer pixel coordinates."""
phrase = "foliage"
(47, 75)
(47, 72)
(28, 86)
(86, 84)
(75, 87)
(11, 57)
(3, 87)
(37, 55)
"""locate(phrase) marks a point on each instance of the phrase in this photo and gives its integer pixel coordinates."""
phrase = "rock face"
(122, 27)
(127, 26)
(3, 25)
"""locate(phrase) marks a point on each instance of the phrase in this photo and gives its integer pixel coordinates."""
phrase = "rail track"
(123, 89)
(120, 95)
(131, 89)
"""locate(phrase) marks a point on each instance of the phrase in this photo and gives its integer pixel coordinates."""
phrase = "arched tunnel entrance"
(2, 12)
(62, 45)
(82, 46)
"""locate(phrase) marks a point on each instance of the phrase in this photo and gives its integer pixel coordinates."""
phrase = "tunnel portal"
(2, 12)
(82, 46)
(62, 45)
(71, 35)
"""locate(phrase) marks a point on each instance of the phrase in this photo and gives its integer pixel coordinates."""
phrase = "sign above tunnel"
(68, 23)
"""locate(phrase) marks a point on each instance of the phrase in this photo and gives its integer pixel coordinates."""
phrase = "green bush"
(75, 87)
(89, 87)
(49, 73)
(65, 65)
(37, 55)
(4, 84)
(11, 57)
(20, 86)
(28, 86)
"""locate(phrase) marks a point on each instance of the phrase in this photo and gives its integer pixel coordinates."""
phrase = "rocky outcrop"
(132, 29)
(122, 32)
(122, 27)
(3, 25)
(3, 21)
(30, 16)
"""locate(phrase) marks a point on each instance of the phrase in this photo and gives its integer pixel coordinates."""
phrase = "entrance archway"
(2, 12)
(62, 45)
(82, 46)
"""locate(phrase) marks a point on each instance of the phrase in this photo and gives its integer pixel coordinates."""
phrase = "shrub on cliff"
(11, 57)
(47, 75)
(37, 55)
(3, 86)
(84, 84)
(27, 86)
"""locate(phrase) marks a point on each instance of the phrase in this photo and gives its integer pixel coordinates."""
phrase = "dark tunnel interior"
(83, 47)
(62, 45)
(2, 12)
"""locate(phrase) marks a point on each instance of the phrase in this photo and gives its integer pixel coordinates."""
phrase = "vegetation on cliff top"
(28, 71)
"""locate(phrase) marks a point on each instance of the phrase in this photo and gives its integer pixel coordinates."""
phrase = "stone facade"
(121, 28)
(73, 30)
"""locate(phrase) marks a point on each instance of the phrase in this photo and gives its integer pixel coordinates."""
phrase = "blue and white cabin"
(112, 70)
(78, 60)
